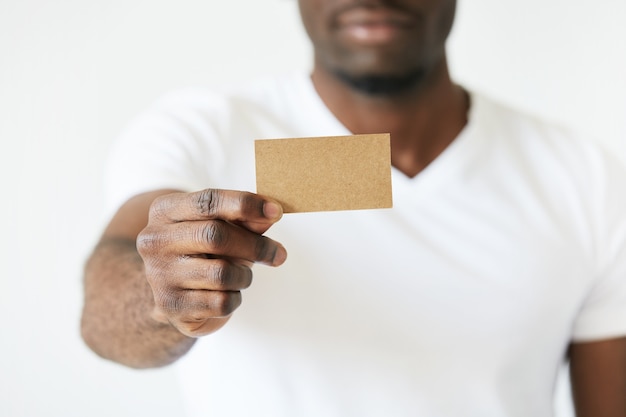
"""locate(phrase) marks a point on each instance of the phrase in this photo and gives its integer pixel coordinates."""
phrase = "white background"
(73, 72)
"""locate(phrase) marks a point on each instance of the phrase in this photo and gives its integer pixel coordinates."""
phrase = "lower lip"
(372, 33)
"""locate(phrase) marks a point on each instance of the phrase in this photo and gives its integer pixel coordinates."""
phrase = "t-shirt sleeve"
(603, 313)
(168, 146)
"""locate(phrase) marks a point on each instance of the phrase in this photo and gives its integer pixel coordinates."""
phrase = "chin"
(381, 84)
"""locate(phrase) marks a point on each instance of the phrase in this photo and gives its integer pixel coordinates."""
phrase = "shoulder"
(571, 171)
(542, 142)
(499, 118)
(218, 111)
(248, 96)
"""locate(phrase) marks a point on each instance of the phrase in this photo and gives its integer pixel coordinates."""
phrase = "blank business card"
(325, 173)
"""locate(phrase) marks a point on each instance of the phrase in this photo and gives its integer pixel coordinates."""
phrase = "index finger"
(250, 210)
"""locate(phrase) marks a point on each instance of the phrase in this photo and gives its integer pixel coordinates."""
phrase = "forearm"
(116, 320)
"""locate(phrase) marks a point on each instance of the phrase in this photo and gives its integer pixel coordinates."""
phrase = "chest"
(460, 268)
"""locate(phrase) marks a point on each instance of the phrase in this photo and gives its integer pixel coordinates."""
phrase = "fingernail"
(272, 210)
(279, 257)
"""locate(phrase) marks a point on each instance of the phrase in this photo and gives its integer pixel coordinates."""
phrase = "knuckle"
(169, 302)
(220, 274)
(177, 304)
(225, 275)
(249, 203)
(159, 208)
(246, 279)
(156, 276)
(265, 250)
(192, 308)
(224, 303)
(208, 202)
(149, 241)
(214, 233)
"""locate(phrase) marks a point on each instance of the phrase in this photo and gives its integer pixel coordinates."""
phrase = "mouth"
(374, 24)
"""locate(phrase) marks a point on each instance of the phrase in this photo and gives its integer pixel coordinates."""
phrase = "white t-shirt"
(459, 301)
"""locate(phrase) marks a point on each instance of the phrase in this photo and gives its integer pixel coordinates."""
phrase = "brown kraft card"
(325, 173)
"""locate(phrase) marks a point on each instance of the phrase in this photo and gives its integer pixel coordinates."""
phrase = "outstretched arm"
(169, 268)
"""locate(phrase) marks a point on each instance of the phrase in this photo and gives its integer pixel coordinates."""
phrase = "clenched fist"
(198, 250)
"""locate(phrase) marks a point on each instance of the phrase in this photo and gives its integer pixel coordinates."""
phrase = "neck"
(422, 121)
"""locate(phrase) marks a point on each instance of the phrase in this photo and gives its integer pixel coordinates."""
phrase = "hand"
(198, 250)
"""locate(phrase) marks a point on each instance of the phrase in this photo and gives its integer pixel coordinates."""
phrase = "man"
(504, 254)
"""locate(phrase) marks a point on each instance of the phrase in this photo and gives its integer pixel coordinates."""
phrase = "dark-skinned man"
(504, 255)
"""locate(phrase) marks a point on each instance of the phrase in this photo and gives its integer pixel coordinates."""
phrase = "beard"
(376, 85)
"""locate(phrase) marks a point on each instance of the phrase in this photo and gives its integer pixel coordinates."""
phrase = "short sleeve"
(603, 313)
(168, 146)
